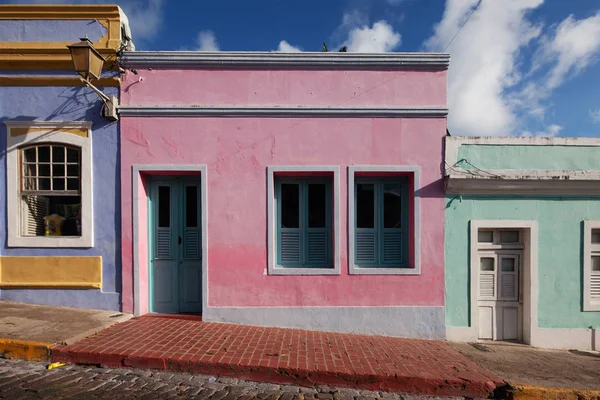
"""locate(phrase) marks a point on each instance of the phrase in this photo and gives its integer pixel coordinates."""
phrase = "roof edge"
(393, 61)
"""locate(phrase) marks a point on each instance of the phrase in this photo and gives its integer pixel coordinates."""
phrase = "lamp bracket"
(104, 97)
(109, 109)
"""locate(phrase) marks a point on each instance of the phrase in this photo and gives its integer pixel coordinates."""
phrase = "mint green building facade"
(522, 227)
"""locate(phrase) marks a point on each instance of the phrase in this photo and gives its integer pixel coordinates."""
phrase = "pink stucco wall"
(237, 152)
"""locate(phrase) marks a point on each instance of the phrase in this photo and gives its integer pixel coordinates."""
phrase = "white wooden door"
(499, 308)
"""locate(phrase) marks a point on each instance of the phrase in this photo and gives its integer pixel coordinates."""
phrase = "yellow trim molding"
(55, 55)
(51, 272)
(58, 11)
(55, 81)
(83, 132)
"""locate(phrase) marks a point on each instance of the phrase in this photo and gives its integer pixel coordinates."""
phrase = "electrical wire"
(462, 26)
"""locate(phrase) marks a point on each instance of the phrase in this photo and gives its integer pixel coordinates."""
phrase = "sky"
(518, 67)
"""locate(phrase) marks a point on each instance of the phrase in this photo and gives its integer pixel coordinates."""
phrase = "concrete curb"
(25, 350)
(529, 392)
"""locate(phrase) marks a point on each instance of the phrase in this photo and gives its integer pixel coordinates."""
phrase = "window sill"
(51, 242)
(302, 271)
(355, 270)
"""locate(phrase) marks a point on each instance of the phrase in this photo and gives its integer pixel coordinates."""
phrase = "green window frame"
(304, 230)
(381, 235)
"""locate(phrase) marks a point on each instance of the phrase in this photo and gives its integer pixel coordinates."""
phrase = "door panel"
(510, 323)
(176, 238)
(165, 288)
(486, 322)
(190, 263)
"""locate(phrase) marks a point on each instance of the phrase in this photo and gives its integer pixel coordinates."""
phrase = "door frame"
(180, 181)
(528, 279)
(140, 221)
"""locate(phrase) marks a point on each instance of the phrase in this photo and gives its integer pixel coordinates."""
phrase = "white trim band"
(274, 111)
(515, 182)
(308, 60)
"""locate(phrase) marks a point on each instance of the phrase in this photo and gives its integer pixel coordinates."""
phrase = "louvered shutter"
(163, 244)
(34, 209)
(289, 247)
(192, 235)
(317, 248)
(487, 277)
(595, 286)
(508, 273)
(366, 246)
(191, 244)
(393, 247)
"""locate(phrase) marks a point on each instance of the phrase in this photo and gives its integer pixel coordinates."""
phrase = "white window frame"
(272, 171)
(54, 133)
(589, 248)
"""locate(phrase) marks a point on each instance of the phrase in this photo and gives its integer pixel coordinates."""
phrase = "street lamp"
(88, 63)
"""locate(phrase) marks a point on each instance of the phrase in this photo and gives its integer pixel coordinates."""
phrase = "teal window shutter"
(381, 222)
(303, 219)
(163, 232)
(192, 235)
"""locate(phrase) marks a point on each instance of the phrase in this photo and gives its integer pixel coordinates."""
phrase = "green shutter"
(366, 246)
(382, 247)
(191, 244)
(303, 247)
(317, 248)
(393, 246)
(289, 247)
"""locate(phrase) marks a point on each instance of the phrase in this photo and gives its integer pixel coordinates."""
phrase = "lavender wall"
(71, 104)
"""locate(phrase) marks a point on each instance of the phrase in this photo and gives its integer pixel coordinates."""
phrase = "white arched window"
(49, 184)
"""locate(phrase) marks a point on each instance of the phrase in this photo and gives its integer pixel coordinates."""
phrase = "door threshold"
(182, 316)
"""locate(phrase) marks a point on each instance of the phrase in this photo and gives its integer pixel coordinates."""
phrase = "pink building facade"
(294, 190)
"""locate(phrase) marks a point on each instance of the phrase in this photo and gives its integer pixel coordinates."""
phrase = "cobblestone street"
(31, 380)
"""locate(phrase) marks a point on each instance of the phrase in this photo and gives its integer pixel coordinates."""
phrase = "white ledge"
(523, 182)
(331, 60)
(274, 111)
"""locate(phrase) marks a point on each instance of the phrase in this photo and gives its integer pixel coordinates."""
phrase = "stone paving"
(31, 380)
(290, 356)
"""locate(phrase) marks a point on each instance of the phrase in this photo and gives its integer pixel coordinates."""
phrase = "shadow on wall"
(434, 190)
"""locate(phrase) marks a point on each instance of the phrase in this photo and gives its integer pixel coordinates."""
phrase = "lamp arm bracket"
(104, 97)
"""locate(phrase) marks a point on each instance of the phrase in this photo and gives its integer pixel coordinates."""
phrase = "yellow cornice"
(55, 55)
(54, 81)
(43, 55)
(58, 11)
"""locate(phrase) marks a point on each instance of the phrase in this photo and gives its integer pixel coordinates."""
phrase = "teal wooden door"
(175, 246)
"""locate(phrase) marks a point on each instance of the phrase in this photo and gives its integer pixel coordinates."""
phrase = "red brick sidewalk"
(284, 356)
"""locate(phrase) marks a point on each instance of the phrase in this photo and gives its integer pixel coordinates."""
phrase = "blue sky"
(519, 67)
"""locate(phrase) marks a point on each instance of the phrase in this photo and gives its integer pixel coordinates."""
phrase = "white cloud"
(551, 131)
(145, 16)
(379, 38)
(355, 33)
(285, 47)
(568, 49)
(207, 41)
(595, 116)
(575, 45)
(485, 62)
